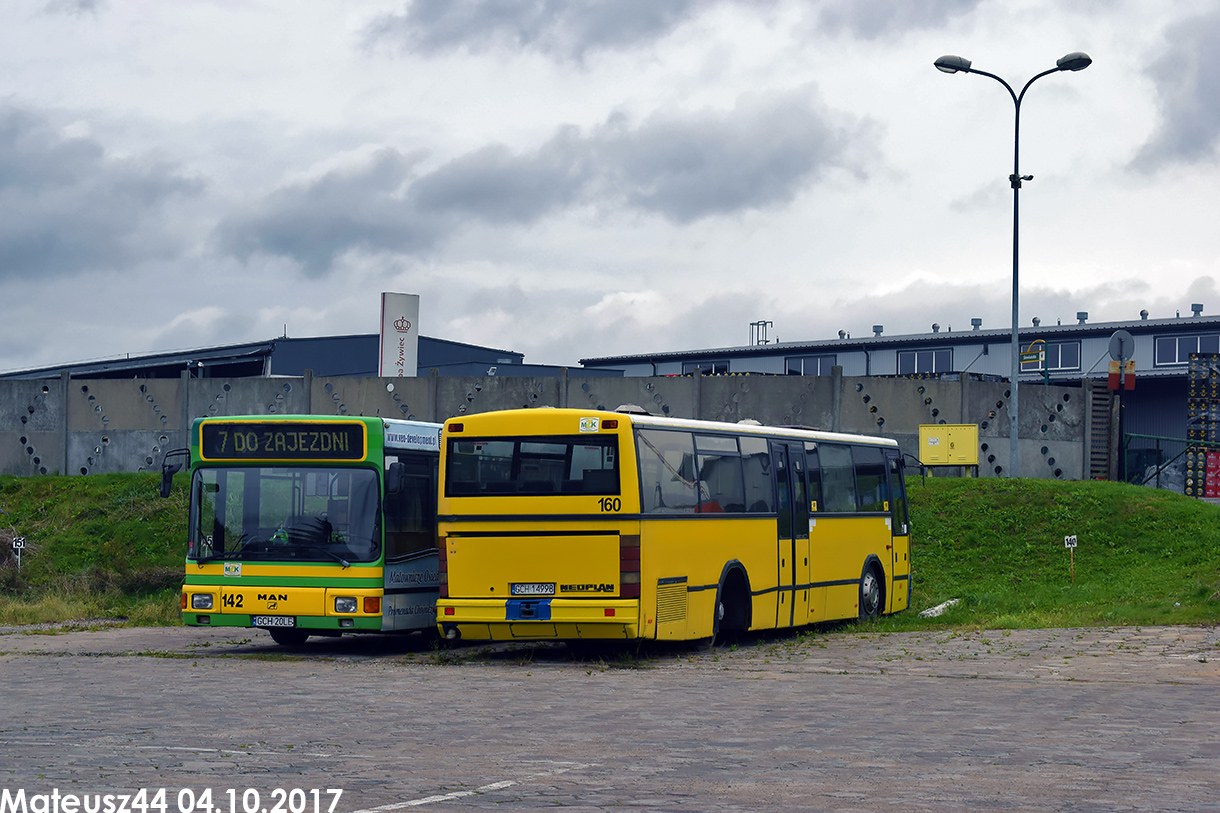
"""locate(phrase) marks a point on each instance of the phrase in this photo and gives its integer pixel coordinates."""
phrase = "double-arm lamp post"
(1076, 61)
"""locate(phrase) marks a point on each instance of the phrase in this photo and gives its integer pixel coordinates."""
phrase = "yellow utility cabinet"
(949, 444)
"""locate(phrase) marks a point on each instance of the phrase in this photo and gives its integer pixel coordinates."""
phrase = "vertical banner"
(399, 335)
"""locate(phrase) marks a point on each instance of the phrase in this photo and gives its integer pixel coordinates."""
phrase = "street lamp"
(1076, 61)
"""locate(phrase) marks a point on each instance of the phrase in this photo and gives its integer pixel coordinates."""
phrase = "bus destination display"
(282, 441)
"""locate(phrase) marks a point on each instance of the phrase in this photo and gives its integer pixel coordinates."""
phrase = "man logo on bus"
(586, 588)
(272, 596)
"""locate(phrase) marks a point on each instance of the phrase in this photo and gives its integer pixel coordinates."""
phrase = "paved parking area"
(1096, 719)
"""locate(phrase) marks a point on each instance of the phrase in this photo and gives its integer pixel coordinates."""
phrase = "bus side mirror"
(394, 478)
(169, 469)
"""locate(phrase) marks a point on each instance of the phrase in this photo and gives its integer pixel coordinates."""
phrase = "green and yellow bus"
(308, 525)
(568, 524)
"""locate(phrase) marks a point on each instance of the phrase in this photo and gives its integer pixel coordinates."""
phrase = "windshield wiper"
(330, 553)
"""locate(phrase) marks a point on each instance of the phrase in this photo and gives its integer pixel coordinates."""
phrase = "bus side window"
(720, 484)
(870, 477)
(799, 496)
(898, 494)
(815, 477)
(756, 463)
(838, 478)
(410, 513)
(667, 472)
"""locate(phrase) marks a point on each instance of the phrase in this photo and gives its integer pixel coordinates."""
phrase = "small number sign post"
(1069, 542)
(18, 544)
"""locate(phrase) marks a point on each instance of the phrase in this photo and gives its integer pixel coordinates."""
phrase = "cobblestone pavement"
(1092, 719)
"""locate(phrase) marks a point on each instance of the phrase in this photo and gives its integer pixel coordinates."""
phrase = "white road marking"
(461, 794)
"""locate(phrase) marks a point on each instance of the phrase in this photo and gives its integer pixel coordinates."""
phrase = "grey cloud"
(1187, 79)
(68, 206)
(500, 187)
(566, 29)
(75, 7)
(871, 19)
(314, 223)
(759, 155)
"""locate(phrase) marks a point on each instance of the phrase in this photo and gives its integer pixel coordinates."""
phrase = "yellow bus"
(569, 524)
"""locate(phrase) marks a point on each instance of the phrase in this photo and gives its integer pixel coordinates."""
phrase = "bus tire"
(871, 595)
(288, 636)
(732, 605)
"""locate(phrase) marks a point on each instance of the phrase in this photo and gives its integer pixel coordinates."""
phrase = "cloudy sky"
(577, 178)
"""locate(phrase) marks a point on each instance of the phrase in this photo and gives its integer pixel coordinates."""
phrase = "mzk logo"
(586, 588)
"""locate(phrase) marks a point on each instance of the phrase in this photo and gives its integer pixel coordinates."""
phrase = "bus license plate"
(273, 621)
(532, 589)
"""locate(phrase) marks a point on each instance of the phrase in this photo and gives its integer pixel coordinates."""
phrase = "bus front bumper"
(538, 619)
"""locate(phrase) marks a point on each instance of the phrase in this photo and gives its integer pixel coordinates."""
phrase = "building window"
(1059, 356)
(919, 362)
(1177, 349)
(809, 365)
(710, 367)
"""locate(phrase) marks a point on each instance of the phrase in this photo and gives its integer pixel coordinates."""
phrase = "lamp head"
(1075, 61)
(953, 64)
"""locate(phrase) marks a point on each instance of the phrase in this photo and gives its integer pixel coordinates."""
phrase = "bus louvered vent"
(671, 603)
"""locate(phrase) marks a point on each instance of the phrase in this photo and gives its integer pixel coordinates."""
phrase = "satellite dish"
(1122, 345)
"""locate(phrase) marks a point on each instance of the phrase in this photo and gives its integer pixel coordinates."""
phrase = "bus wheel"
(733, 607)
(288, 637)
(870, 594)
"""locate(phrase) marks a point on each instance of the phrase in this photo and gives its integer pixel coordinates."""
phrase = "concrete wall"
(93, 426)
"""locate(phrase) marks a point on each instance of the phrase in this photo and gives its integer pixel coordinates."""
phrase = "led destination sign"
(282, 441)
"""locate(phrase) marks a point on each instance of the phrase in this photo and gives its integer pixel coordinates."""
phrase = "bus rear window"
(532, 466)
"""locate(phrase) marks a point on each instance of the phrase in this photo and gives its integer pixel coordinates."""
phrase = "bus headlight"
(345, 604)
(201, 601)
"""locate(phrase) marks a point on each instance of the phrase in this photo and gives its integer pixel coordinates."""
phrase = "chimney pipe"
(1196, 310)
(977, 323)
(1144, 314)
(877, 329)
(1037, 321)
(935, 327)
(842, 334)
(1082, 317)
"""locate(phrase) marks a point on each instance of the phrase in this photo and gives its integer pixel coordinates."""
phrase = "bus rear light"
(372, 604)
(455, 427)
(610, 423)
(449, 611)
(609, 612)
(629, 566)
(442, 568)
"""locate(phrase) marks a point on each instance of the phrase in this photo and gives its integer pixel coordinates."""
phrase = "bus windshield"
(532, 466)
(299, 514)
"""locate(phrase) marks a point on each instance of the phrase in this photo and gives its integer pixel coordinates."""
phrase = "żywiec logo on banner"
(399, 335)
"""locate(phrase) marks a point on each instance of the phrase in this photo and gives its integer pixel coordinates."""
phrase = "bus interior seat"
(601, 481)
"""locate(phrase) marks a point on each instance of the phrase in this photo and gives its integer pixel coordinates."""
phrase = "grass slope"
(107, 545)
(97, 546)
(1143, 556)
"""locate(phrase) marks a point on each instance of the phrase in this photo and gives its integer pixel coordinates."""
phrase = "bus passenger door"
(800, 534)
(900, 592)
(792, 534)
